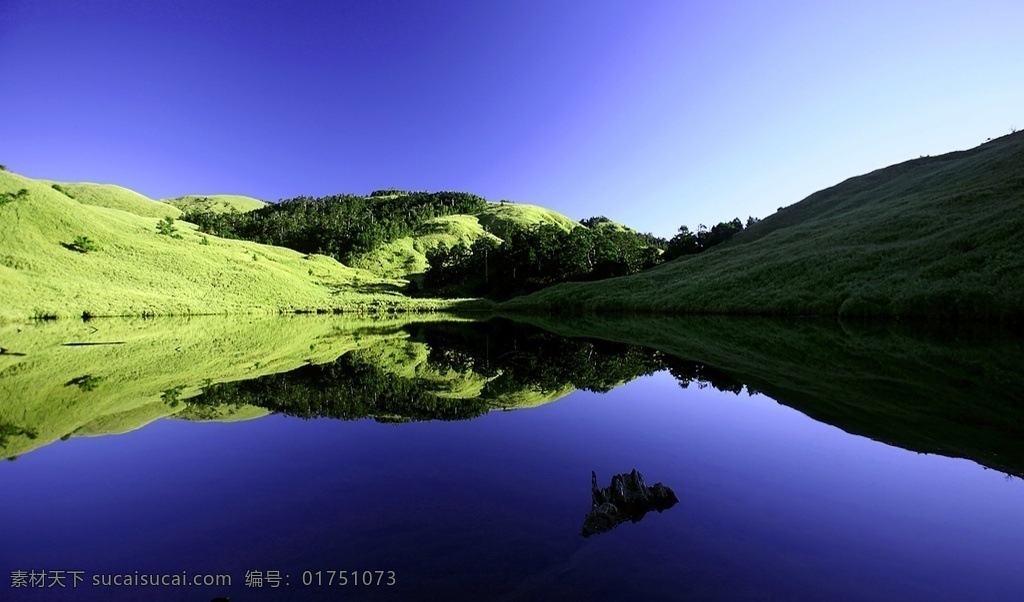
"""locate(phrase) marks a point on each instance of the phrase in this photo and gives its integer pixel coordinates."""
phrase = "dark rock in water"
(626, 498)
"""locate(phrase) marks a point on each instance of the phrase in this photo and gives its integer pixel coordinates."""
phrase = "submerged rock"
(626, 498)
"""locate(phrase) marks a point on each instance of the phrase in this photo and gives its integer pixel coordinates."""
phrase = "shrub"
(82, 244)
(167, 228)
(9, 197)
(61, 190)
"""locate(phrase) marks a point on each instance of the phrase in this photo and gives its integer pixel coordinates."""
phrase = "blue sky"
(656, 114)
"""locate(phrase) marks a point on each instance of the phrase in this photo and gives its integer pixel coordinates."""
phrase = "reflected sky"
(773, 505)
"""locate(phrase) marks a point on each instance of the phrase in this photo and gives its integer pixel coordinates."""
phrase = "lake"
(316, 458)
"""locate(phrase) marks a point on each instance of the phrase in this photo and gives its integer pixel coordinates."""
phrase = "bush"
(61, 190)
(9, 197)
(82, 244)
(167, 228)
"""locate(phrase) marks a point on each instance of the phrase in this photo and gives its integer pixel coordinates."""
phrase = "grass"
(135, 271)
(497, 218)
(407, 257)
(936, 237)
(215, 203)
(114, 197)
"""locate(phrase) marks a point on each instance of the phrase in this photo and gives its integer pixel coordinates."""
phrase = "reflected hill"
(60, 379)
(441, 371)
(954, 390)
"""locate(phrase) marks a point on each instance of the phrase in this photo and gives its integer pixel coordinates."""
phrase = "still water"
(395, 464)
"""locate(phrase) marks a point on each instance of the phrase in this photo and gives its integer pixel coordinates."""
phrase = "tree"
(82, 244)
(167, 228)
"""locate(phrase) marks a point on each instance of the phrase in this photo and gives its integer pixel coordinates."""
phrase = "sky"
(655, 114)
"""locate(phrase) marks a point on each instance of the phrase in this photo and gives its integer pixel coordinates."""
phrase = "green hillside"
(497, 218)
(933, 237)
(89, 256)
(407, 256)
(114, 197)
(215, 203)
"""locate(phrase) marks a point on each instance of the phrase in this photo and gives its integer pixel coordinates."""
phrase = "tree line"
(341, 226)
(531, 258)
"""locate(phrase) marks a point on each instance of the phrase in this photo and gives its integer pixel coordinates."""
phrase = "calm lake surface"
(396, 456)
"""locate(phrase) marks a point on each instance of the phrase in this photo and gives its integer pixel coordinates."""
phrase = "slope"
(935, 237)
(125, 267)
(114, 197)
(406, 257)
(215, 203)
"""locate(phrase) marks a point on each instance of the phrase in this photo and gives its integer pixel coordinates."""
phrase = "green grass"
(406, 257)
(215, 203)
(114, 197)
(497, 218)
(136, 271)
(936, 237)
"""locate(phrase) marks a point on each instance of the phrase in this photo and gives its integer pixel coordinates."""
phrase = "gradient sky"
(655, 114)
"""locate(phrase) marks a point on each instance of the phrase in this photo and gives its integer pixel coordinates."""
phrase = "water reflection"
(627, 498)
(773, 505)
(956, 394)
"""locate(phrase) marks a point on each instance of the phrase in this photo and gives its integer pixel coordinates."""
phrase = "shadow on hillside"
(376, 288)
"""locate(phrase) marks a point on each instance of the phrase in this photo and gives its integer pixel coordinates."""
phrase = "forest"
(531, 258)
(342, 225)
(528, 258)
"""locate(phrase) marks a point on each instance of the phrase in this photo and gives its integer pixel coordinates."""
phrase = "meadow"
(85, 250)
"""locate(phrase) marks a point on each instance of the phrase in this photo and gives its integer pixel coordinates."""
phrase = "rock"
(626, 498)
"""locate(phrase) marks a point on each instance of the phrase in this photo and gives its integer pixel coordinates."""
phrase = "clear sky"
(655, 114)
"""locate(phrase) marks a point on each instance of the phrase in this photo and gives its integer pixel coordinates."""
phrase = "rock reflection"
(627, 498)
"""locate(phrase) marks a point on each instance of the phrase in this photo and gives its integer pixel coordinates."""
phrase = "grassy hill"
(215, 203)
(497, 218)
(48, 269)
(406, 257)
(114, 197)
(933, 237)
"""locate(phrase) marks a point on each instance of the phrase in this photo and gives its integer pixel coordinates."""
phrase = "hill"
(100, 254)
(215, 203)
(406, 257)
(935, 237)
(114, 197)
